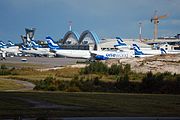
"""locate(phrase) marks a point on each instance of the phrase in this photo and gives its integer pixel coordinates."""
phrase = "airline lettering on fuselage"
(110, 55)
(113, 55)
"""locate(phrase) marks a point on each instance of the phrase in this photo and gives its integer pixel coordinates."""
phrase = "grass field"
(62, 104)
(59, 104)
(9, 85)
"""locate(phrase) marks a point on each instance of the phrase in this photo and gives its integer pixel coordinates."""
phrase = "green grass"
(9, 85)
(90, 104)
(25, 71)
(30, 74)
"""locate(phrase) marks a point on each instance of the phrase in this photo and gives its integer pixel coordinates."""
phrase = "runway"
(44, 62)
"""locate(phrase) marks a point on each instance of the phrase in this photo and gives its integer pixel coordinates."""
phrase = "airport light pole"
(70, 25)
(140, 31)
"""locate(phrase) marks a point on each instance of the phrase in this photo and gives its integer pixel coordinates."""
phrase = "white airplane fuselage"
(173, 52)
(29, 51)
(113, 54)
(13, 49)
(74, 53)
(44, 51)
(151, 52)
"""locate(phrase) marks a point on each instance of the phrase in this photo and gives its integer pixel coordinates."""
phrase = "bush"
(46, 84)
(3, 67)
(160, 83)
(99, 67)
(127, 68)
(4, 70)
(73, 89)
(122, 83)
(95, 67)
(151, 83)
(115, 69)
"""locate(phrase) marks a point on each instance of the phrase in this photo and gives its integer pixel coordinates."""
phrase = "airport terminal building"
(89, 40)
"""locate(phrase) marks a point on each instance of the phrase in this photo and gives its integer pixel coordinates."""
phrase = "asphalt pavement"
(44, 61)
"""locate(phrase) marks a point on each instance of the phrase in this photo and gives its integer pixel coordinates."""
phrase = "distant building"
(177, 36)
(29, 36)
(167, 44)
(108, 44)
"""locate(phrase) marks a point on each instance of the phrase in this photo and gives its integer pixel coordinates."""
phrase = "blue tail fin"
(163, 51)
(51, 43)
(35, 45)
(29, 45)
(23, 47)
(137, 50)
(136, 46)
(11, 43)
(120, 42)
(3, 45)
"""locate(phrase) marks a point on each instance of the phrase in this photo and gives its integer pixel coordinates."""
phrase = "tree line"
(166, 83)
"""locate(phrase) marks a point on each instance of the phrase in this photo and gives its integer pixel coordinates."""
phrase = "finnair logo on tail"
(162, 51)
(34, 44)
(2, 43)
(136, 46)
(11, 44)
(51, 43)
(24, 48)
(137, 50)
(1, 46)
(120, 42)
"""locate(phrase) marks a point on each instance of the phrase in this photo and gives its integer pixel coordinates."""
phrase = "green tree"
(127, 68)
(115, 69)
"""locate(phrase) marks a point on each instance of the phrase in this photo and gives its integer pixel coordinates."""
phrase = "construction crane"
(156, 18)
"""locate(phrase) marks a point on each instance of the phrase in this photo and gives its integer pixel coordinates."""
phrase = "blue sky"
(108, 18)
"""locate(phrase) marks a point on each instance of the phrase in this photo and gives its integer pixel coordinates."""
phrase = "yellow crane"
(156, 18)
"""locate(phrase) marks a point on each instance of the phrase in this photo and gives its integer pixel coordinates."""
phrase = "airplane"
(37, 50)
(91, 55)
(11, 43)
(35, 45)
(124, 51)
(3, 44)
(9, 49)
(173, 51)
(121, 44)
(85, 54)
(0, 49)
(104, 55)
(28, 50)
(41, 50)
(147, 53)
